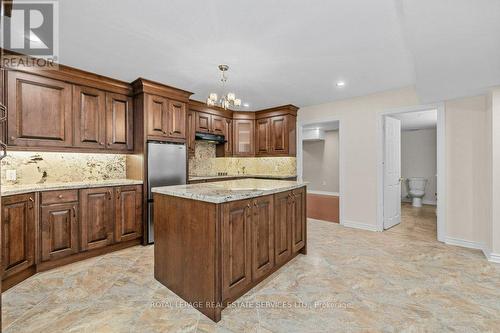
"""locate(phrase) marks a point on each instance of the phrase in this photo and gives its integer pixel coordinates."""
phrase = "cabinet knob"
(101, 143)
(60, 196)
(12, 137)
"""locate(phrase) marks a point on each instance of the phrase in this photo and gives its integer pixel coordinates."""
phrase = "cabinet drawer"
(52, 197)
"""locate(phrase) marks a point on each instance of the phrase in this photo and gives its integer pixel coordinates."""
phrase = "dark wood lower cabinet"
(210, 254)
(128, 213)
(59, 230)
(236, 247)
(44, 230)
(18, 234)
(96, 218)
(262, 236)
(298, 220)
(282, 227)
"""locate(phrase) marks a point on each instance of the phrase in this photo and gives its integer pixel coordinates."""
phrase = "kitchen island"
(216, 241)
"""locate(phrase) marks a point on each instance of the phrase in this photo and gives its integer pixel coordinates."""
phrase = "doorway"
(412, 173)
(320, 167)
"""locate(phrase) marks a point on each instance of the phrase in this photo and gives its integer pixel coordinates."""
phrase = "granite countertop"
(20, 189)
(229, 190)
(241, 176)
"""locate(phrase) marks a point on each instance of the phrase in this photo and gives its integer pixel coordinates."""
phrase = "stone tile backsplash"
(45, 167)
(204, 163)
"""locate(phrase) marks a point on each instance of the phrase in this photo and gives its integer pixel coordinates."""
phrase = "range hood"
(313, 135)
(213, 138)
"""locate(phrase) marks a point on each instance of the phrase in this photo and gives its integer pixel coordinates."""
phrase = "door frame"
(300, 126)
(440, 159)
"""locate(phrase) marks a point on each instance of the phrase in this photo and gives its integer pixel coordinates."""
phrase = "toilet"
(416, 190)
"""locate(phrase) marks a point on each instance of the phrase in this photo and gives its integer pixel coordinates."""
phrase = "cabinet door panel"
(228, 135)
(298, 220)
(243, 137)
(96, 218)
(119, 123)
(177, 119)
(39, 111)
(157, 115)
(279, 135)
(18, 233)
(236, 248)
(262, 139)
(190, 132)
(218, 125)
(59, 226)
(282, 228)
(90, 117)
(128, 213)
(203, 122)
(262, 237)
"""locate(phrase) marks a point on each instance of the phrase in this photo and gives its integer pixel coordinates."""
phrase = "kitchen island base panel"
(186, 249)
(197, 253)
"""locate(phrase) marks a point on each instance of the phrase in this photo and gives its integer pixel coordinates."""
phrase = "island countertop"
(231, 190)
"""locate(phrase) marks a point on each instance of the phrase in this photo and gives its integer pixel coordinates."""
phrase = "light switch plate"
(10, 174)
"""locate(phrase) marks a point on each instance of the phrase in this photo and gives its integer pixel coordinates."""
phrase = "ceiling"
(289, 51)
(411, 121)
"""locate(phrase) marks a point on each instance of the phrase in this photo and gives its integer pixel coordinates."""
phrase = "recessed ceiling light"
(246, 105)
(340, 84)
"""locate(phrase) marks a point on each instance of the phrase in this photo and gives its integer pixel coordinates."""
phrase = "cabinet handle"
(31, 203)
(3, 146)
(118, 194)
(74, 211)
(3, 113)
(109, 195)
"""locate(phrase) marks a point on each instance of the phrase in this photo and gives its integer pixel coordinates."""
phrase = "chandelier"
(226, 101)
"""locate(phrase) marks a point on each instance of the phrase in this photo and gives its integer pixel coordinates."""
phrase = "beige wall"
(466, 159)
(493, 231)
(321, 163)
(418, 159)
(359, 128)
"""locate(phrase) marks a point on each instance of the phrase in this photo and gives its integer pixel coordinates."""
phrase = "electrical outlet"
(10, 174)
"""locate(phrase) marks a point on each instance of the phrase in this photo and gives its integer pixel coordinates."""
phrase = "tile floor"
(351, 281)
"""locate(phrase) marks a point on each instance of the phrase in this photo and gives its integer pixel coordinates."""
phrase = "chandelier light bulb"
(237, 102)
(213, 96)
(231, 96)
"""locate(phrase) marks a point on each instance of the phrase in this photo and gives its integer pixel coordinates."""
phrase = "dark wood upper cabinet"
(236, 247)
(279, 138)
(157, 115)
(176, 119)
(89, 117)
(262, 136)
(262, 236)
(190, 132)
(39, 111)
(59, 230)
(298, 219)
(18, 233)
(203, 122)
(96, 217)
(282, 228)
(218, 125)
(228, 134)
(119, 122)
(243, 137)
(128, 213)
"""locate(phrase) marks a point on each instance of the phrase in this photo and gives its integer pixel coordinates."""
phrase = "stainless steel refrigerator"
(166, 166)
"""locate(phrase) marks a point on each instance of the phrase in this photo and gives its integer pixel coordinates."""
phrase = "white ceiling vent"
(313, 135)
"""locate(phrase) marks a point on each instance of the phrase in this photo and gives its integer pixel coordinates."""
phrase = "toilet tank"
(417, 183)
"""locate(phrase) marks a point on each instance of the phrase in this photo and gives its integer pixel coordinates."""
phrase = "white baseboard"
(425, 202)
(492, 257)
(463, 243)
(359, 225)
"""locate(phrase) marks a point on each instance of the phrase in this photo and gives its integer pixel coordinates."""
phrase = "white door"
(392, 172)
